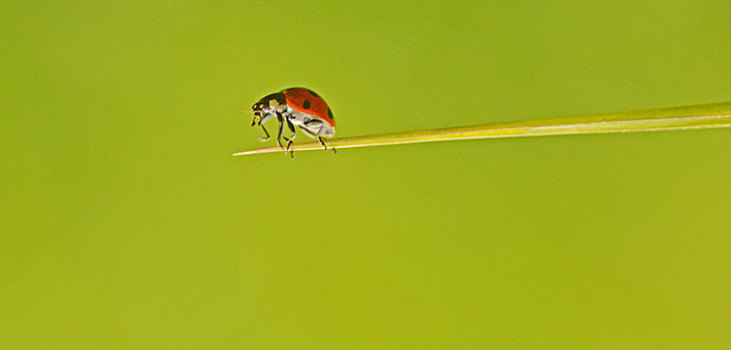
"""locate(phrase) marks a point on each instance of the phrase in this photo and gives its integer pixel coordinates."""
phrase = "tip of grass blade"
(257, 151)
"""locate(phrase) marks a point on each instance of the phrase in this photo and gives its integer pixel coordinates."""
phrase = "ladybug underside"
(310, 125)
(275, 105)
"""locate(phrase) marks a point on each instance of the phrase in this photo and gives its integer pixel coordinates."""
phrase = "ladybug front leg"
(266, 134)
(312, 124)
(261, 123)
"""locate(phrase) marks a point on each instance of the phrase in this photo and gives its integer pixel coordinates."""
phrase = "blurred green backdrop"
(126, 223)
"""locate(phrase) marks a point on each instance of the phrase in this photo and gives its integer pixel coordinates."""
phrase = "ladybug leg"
(261, 123)
(266, 133)
(291, 139)
(319, 131)
(291, 128)
(312, 124)
(279, 135)
(322, 142)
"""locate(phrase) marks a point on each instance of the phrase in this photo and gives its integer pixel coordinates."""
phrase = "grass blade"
(681, 118)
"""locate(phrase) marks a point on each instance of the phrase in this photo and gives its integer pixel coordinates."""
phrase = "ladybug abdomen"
(312, 125)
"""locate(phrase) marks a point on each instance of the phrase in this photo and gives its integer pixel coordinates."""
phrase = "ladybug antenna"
(244, 112)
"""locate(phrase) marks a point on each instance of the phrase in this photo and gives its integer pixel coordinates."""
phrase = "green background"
(126, 223)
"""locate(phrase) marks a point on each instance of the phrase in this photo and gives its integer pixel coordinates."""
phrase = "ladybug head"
(267, 107)
(260, 110)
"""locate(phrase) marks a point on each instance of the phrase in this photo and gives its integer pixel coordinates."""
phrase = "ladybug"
(295, 107)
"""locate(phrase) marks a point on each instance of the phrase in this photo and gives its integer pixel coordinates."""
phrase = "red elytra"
(307, 101)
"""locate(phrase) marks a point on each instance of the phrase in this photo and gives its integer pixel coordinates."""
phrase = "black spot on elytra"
(313, 93)
(330, 113)
(306, 104)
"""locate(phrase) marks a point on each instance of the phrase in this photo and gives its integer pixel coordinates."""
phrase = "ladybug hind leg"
(308, 133)
(322, 142)
(315, 131)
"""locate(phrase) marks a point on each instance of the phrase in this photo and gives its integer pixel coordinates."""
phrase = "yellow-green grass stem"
(680, 118)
